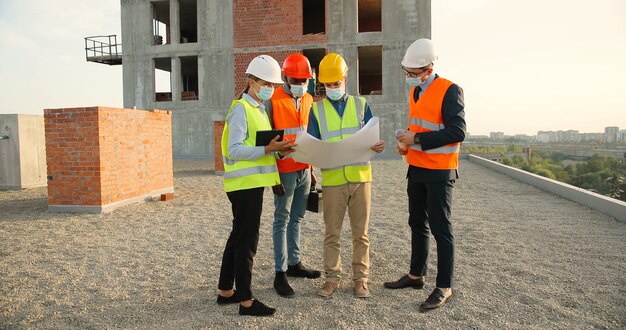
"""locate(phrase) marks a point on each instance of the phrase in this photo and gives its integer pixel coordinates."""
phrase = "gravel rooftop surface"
(525, 259)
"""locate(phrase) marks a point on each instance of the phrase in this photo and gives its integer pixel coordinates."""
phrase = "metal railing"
(103, 49)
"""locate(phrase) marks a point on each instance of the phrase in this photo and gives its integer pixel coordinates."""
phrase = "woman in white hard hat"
(247, 170)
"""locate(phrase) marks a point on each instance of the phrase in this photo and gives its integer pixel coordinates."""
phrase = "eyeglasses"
(265, 83)
(413, 74)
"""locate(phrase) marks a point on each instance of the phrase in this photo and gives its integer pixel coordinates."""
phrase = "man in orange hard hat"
(289, 110)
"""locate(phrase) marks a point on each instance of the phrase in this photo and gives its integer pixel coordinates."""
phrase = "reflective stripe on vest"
(427, 124)
(425, 116)
(247, 174)
(250, 171)
(449, 149)
(335, 128)
(286, 116)
(325, 133)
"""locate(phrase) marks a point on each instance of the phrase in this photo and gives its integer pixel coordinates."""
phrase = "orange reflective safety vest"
(425, 116)
(286, 116)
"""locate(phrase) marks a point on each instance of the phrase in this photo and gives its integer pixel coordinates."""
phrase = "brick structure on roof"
(100, 158)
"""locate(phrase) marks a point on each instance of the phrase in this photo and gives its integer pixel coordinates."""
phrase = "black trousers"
(242, 243)
(429, 211)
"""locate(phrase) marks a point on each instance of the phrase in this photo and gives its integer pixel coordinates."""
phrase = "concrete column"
(174, 22)
(342, 21)
(201, 94)
(176, 79)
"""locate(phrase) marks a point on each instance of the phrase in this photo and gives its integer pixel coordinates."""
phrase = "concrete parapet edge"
(612, 207)
(97, 209)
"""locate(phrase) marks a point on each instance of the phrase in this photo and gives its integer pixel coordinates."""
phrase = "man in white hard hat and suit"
(436, 130)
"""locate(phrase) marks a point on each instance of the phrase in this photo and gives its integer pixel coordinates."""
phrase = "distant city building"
(543, 137)
(496, 135)
(524, 137)
(588, 137)
(611, 134)
(476, 137)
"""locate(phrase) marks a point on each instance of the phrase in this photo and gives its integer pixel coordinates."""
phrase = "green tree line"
(602, 174)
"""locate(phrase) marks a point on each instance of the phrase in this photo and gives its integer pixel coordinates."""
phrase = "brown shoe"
(436, 299)
(361, 290)
(327, 289)
(405, 282)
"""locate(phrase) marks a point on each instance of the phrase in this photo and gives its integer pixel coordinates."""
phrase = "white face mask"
(265, 92)
(411, 82)
(336, 93)
(297, 90)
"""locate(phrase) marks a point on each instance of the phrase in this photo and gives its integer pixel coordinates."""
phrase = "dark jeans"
(242, 242)
(429, 211)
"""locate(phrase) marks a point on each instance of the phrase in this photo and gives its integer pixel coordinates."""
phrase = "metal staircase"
(103, 49)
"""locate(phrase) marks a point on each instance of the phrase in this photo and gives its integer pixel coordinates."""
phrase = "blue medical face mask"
(336, 93)
(265, 93)
(297, 90)
(412, 82)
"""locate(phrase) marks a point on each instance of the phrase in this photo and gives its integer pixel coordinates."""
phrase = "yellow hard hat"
(332, 68)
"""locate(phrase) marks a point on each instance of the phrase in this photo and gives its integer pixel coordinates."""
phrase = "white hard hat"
(419, 54)
(265, 67)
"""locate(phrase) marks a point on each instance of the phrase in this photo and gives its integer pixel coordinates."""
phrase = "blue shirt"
(238, 132)
(427, 83)
(339, 106)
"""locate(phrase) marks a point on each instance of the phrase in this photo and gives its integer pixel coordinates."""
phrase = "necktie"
(418, 90)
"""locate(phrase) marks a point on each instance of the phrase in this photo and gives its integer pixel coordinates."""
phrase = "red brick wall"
(260, 23)
(218, 128)
(98, 155)
(243, 59)
(73, 157)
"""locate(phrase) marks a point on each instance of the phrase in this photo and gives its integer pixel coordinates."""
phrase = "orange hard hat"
(297, 66)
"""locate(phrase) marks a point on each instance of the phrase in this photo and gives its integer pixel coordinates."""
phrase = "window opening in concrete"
(370, 70)
(160, 22)
(369, 16)
(313, 17)
(189, 71)
(163, 79)
(188, 21)
(315, 57)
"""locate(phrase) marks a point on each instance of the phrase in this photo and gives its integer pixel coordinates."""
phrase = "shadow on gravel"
(192, 173)
(11, 210)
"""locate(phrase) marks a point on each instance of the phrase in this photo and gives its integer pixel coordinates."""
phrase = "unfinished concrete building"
(189, 56)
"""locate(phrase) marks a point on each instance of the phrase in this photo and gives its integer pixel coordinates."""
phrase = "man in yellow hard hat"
(334, 118)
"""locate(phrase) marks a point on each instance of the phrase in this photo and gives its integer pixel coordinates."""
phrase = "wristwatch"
(416, 139)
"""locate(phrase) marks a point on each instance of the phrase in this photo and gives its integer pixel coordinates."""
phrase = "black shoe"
(436, 299)
(405, 282)
(282, 286)
(298, 270)
(257, 309)
(221, 300)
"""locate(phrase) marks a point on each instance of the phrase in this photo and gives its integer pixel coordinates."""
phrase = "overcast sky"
(525, 66)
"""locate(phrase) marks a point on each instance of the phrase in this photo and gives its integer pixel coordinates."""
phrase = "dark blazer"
(453, 114)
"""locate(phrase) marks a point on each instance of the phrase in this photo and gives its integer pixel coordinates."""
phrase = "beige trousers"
(357, 198)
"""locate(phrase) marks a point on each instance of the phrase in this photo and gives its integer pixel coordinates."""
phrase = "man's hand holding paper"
(357, 148)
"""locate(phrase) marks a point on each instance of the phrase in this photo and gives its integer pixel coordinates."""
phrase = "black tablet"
(264, 138)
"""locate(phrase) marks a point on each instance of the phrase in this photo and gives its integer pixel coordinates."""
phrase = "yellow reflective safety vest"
(247, 174)
(335, 128)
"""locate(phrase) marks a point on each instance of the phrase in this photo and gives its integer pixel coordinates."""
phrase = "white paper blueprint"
(353, 149)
